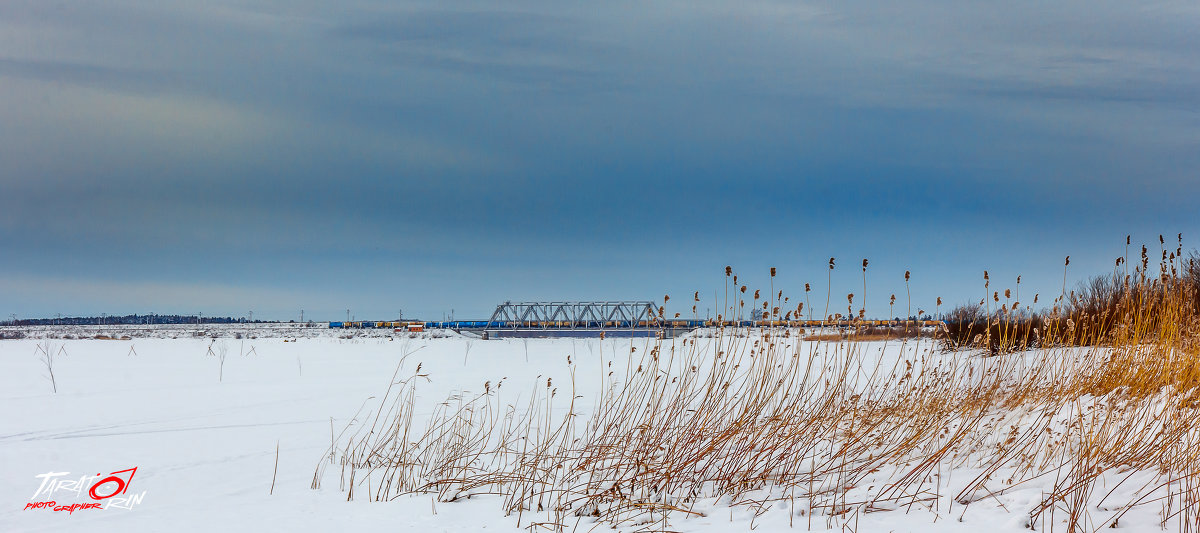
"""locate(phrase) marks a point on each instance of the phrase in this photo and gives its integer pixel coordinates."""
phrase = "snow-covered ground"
(203, 433)
(205, 448)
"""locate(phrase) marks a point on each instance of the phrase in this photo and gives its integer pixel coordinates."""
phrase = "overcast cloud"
(218, 157)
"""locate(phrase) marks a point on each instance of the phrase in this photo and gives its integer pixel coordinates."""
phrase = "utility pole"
(252, 315)
(301, 316)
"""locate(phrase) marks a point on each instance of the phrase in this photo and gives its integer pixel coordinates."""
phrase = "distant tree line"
(129, 319)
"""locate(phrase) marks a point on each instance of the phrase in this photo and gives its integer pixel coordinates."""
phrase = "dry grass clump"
(12, 334)
(1104, 419)
(875, 333)
(1104, 310)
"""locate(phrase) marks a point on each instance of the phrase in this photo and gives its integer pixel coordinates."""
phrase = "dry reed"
(1103, 413)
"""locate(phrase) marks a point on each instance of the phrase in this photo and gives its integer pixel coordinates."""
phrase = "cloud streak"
(458, 154)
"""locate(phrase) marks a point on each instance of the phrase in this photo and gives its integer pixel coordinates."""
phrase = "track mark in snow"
(81, 435)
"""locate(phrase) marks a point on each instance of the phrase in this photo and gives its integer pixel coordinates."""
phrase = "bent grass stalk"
(750, 418)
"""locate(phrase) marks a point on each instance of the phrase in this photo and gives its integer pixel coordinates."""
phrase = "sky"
(438, 158)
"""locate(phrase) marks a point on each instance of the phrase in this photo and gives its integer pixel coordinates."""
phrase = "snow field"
(204, 439)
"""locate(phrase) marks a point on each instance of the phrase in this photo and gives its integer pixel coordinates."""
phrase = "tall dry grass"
(1104, 420)
(1101, 311)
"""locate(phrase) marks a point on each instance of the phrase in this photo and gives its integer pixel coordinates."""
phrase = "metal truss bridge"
(565, 319)
(574, 315)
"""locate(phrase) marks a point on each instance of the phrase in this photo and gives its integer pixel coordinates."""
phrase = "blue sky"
(226, 156)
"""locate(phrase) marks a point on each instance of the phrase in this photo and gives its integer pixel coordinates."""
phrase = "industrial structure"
(589, 319)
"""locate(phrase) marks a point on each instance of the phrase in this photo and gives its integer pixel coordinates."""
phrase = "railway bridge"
(600, 318)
